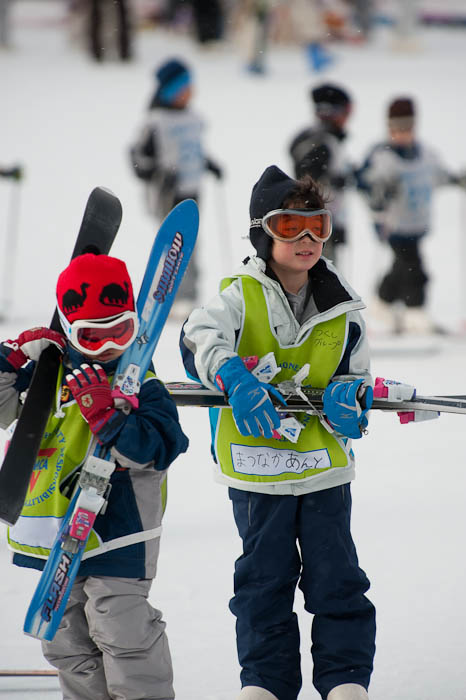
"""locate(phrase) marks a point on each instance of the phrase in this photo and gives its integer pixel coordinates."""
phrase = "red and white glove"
(93, 394)
(29, 345)
(397, 391)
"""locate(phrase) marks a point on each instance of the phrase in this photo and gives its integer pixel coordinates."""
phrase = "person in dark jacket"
(319, 151)
(111, 642)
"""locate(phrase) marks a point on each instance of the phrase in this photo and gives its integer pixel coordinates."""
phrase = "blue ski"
(167, 263)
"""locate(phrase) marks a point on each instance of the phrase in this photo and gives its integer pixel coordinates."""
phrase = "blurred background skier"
(104, 26)
(399, 176)
(262, 24)
(319, 150)
(169, 157)
(5, 23)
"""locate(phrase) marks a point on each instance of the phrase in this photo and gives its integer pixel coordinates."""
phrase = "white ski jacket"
(210, 334)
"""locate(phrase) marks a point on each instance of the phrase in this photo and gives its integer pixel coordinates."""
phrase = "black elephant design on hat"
(114, 294)
(73, 300)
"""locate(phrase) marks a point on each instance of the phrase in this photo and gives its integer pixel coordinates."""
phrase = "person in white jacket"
(290, 490)
(399, 176)
(169, 157)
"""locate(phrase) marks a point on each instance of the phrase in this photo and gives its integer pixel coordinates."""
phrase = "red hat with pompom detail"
(93, 287)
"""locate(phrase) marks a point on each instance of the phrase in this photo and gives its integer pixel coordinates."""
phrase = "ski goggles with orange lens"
(292, 224)
(92, 337)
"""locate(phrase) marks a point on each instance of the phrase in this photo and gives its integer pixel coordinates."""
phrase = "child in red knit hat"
(111, 642)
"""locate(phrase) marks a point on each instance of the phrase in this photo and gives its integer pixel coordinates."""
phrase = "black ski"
(192, 394)
(100, 224)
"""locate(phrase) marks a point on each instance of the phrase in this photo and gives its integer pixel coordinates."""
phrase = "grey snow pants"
(111, 643)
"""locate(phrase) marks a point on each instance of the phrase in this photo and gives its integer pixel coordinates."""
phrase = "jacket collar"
(328, 286)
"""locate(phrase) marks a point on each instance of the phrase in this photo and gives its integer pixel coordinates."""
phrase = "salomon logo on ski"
(165, 277)
(170, 268)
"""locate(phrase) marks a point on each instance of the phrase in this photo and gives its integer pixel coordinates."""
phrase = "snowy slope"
(70, 122)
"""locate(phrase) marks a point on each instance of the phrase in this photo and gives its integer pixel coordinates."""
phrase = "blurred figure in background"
(308, 20)
(5, 11)
(208, 20)
(399, 176)
(104, 25)
(363, 15)
(250, 21)
(319, 151)
(15, 172)
(262, 23)
(169, 157)
(259, 19)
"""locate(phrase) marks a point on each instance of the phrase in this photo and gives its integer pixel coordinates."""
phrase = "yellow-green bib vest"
(64, 447)
(263, 460)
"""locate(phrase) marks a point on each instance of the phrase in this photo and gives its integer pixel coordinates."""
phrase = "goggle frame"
(307, 213)
(71, 330)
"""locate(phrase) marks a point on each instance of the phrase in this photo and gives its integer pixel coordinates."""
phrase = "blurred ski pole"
(462, 261)
(225, 236)
(10, 249)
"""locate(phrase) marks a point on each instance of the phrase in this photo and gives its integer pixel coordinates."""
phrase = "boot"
(384, 317)
(348, 691)
(253, 692)
(416, 320)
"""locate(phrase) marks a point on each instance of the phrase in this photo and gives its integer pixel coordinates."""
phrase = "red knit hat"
(94, 286)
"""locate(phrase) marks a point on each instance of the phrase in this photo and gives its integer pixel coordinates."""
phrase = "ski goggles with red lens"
(290, 225)
(92, 337)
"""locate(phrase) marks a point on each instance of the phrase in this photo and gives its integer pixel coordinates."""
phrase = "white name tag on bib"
(269, 461)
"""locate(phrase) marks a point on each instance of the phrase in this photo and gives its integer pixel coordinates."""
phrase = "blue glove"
(253, 410)
(345, 411)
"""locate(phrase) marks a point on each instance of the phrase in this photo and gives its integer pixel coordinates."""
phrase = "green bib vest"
(265, 460)
(65, 446)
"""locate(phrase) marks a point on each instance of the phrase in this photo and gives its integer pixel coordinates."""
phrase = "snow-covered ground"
(70, 122)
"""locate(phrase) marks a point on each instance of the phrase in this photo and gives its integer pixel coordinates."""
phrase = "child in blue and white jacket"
(111, 642)
(291, 501)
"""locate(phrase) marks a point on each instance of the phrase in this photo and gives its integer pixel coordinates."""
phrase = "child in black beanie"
(290, 490)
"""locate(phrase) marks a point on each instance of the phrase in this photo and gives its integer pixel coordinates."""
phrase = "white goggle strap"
(65, 324)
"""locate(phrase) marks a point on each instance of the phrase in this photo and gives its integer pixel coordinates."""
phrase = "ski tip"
(188, 207)
(102, 188)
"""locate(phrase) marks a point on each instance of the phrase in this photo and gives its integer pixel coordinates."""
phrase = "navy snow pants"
(306, 541)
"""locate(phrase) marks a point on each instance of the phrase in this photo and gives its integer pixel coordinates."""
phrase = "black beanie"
(269, 193)
(329, 99)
